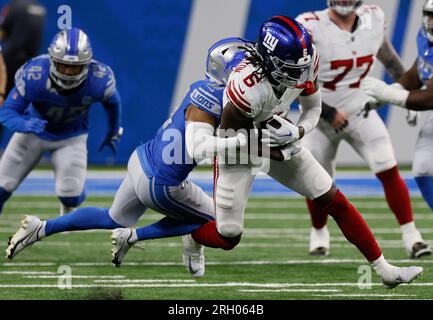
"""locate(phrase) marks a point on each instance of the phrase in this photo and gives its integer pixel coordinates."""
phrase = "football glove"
(285, 134)
(384, 93)
(34, 125)
(290, 150)
(370, 104)
(111, 140)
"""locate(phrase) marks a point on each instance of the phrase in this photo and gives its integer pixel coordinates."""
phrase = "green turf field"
(270, 263)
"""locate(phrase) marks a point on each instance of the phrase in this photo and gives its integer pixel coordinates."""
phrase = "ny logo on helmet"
(270, 42)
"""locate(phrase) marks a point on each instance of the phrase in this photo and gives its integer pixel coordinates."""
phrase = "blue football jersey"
(425, 57)
(165, 157)
(67, 111)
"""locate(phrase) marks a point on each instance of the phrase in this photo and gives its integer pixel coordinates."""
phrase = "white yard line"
(364, 295)
(27, 272)
(214, 263)
(75, 277)
(145, 281)
(289, 290)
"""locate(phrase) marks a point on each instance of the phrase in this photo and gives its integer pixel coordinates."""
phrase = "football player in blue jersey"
(158, 171)
(414, 91)
(48, 112)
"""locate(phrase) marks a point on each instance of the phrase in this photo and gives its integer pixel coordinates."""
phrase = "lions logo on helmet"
(70, 55)
(344, 7)
(286, 50)
(223, 56)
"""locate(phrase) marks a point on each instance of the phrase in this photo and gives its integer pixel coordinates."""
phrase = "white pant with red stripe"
(303, 174)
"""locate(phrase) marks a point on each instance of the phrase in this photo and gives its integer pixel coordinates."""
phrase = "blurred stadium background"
(157, 48)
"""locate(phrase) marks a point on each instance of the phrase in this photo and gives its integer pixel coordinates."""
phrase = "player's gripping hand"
(34, 125)
(111, 140)
(384, 93)
(412, 117)
(369, 105)
(280, 135)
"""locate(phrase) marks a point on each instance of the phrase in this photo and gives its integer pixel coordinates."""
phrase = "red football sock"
(353, 226)
(208, 236)
(318, 215)
(397, 194)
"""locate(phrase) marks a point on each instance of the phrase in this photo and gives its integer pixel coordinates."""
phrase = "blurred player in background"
(414, 91)
(48, 111)
(158, 181)
(3, 79)
(349, 36)
(21, 29)
(281, 68)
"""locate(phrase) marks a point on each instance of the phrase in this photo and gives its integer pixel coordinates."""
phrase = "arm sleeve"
(328, 112)
(311, 110)
(11, 114)
(201, 143)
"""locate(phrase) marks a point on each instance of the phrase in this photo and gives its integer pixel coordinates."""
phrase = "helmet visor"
(290, 74)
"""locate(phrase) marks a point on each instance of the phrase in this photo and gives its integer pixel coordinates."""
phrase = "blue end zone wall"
(142, 41)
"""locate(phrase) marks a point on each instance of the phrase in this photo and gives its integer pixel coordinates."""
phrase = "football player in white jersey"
(349, 37)
(414, 90)
(282, 67)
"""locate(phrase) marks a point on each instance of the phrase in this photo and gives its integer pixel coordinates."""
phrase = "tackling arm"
(201, 142)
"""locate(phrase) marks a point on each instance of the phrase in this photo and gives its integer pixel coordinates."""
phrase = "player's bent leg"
(69, 160)
(22, 153)
(323, 143)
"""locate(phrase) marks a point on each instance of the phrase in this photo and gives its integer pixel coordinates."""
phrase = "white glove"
(287, 133)
(393, 94)
(290, 150)
(412, 117)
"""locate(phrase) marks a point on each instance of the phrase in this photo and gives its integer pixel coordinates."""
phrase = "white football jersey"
(345, 58)
(252, 93)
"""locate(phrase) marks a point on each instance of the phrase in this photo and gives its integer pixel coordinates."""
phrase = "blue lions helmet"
(70, 47)
(286, 49)
(223, 57)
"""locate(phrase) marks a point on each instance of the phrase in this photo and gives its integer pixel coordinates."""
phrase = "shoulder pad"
(245, 89)
(207, 96)
(103, 79)
(32, 75)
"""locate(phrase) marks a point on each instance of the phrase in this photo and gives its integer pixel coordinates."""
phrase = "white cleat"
(397, 276)
(121, 242)
(319, 242)
(193, 256)
(29, 232)
(415, 245)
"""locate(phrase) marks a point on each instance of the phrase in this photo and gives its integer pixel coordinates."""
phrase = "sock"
(208, 236)
(82, 219)
(353, 226)
(4, 196)
(380, 265)
(166, 227)
(397, 195)
(318, 215)
(425, 184)
(408, 228)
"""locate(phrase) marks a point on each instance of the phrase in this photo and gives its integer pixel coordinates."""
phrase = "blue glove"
(34, 125)
(111, 140)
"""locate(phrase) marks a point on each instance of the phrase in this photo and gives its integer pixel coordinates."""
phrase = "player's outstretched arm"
(406, 93)
(113, 108)
(201, 142)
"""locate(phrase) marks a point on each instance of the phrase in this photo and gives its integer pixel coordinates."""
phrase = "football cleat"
(415, 245)
(121, 242)
(27, 234)
(193, 256)
(397, 276)
(319, 242)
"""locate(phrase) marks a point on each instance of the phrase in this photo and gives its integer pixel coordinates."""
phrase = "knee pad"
(69, 185)
(225, 196)
(73, 202)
